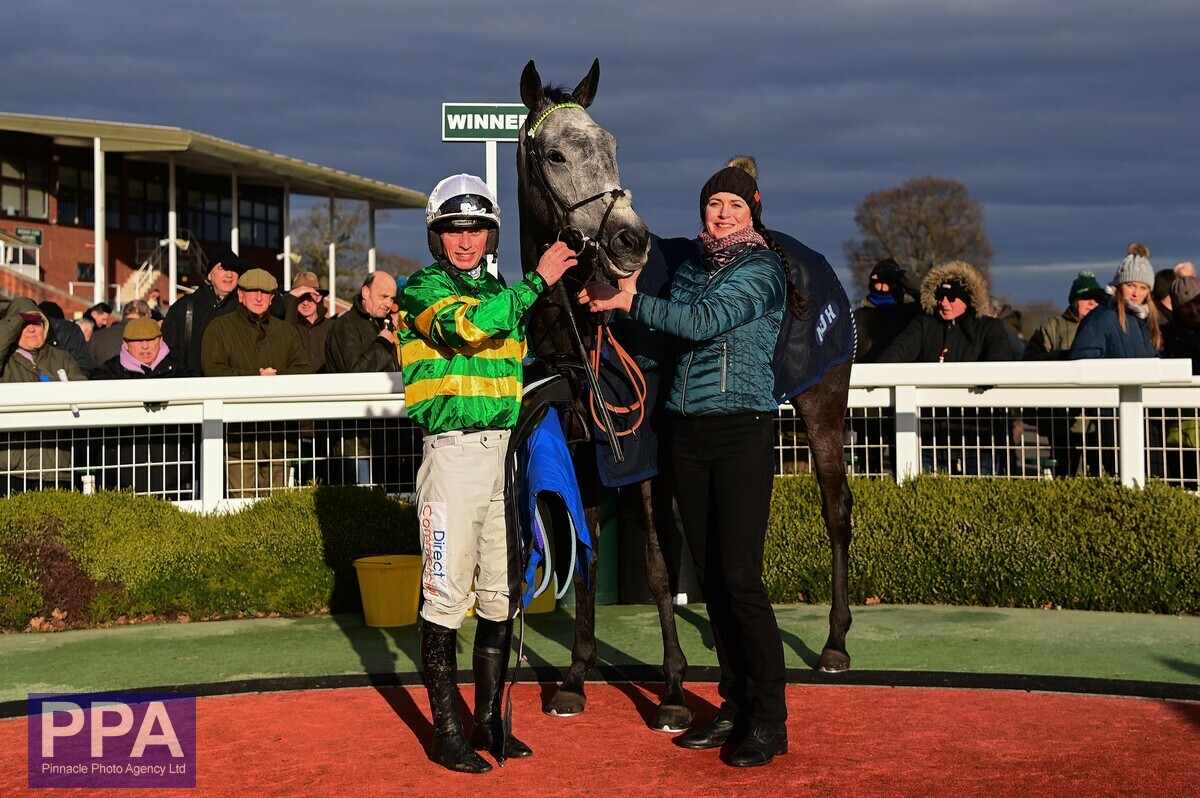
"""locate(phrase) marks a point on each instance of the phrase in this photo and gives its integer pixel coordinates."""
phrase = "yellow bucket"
(390, 587)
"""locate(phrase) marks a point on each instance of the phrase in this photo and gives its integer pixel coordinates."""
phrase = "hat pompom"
(1139, 250)
(746, 163)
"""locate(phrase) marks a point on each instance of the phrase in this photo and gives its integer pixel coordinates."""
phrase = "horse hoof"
(833, 661)
(672, 719)
(565, 705)
(554, 713)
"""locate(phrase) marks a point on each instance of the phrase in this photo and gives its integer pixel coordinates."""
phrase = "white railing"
(216, 443)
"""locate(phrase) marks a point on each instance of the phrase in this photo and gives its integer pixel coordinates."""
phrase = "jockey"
(462, 340)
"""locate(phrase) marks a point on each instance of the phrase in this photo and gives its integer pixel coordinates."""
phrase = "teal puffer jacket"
(728, 318)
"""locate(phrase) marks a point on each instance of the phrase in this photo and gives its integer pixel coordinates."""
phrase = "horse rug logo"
(434, 518)
(825, 321)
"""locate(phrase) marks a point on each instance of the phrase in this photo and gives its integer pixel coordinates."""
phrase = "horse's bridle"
(581, 244)
(564, 231)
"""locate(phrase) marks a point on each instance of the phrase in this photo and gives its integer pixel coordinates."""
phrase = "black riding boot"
(440, 664)
(493, 642)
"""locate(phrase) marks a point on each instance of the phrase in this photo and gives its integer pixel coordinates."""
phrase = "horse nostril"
(626, 242)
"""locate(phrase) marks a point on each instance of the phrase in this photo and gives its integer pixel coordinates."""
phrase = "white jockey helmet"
(461, 202)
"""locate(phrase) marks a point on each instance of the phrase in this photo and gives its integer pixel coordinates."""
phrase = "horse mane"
(557, 94)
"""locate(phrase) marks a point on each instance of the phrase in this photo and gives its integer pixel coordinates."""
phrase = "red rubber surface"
(852, 741)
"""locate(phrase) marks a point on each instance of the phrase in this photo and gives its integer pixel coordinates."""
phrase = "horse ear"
(531, 87)
(585, 92)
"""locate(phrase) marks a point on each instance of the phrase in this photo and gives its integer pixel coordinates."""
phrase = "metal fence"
(216, 443)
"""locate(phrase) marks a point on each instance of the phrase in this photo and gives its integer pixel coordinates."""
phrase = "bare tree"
(924, 222)
(311, 236)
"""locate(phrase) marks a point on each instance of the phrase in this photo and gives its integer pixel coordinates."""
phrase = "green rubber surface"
(929, 639)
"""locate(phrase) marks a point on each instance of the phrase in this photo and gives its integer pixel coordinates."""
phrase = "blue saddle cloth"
(807, 348)
(553, 526)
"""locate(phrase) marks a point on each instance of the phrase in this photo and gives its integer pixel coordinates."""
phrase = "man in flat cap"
(142, 354)
(187, 319)
(251, 342)
(106, 342)
(155, 462)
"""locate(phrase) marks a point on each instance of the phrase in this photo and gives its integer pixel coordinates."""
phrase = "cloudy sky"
(1075, 122)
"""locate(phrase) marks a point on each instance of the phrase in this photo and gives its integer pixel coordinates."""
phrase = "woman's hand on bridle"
(602, 296)
(556, 261)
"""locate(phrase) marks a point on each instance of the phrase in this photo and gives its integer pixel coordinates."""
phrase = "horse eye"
(554, 156)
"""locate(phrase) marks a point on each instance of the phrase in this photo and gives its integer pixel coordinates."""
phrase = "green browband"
(547, 112)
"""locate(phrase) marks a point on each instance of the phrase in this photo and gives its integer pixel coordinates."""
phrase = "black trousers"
(723, 473)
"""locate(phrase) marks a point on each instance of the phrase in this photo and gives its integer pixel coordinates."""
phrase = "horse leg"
(673, 714)
(570, 699)
(823, 408)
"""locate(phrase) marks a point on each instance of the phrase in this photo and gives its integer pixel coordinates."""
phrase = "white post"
(332, 261)
(907, 456)
(287, 235)
(99, 276)
(490, 175)
(234, 233)
(1131, 437)
(370, 237)
(212, 455)
(172, 233)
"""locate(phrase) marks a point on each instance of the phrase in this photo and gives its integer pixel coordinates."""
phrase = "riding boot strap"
(439, 663)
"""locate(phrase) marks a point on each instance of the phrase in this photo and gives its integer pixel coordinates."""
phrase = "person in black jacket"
(363, 340)
(187, 319)
(884, 313)
(954, 329)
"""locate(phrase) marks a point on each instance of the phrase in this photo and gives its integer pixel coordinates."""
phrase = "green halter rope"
(547, 112)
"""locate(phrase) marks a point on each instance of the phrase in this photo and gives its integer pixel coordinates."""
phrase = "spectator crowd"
(239, 323)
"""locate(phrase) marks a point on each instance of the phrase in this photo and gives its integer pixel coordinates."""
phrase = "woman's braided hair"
(796, 303)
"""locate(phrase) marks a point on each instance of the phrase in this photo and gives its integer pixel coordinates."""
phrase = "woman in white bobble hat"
(1128, 325)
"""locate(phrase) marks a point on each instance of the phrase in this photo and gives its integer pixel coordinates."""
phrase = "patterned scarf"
(720, 252)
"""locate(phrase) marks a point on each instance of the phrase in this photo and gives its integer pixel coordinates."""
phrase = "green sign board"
(477, 122)
(33, 235)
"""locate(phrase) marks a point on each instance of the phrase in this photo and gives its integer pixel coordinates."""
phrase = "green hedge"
(1075, 543)
(112, 554)
(1086, 544)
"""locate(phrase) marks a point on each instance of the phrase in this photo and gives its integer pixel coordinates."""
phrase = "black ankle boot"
(493, 642)
(439, 662)
(718, 731)
(762, 744)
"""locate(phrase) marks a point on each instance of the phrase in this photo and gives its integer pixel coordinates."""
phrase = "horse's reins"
(580, 242)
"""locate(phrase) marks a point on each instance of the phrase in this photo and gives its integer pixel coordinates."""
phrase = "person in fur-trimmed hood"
(953, 327)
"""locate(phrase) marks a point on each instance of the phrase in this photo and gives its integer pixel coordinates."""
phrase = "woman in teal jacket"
(725, 308)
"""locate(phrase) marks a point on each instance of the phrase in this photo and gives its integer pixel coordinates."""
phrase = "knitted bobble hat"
(737, 178)
(1083, 286)
(1136, 267)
